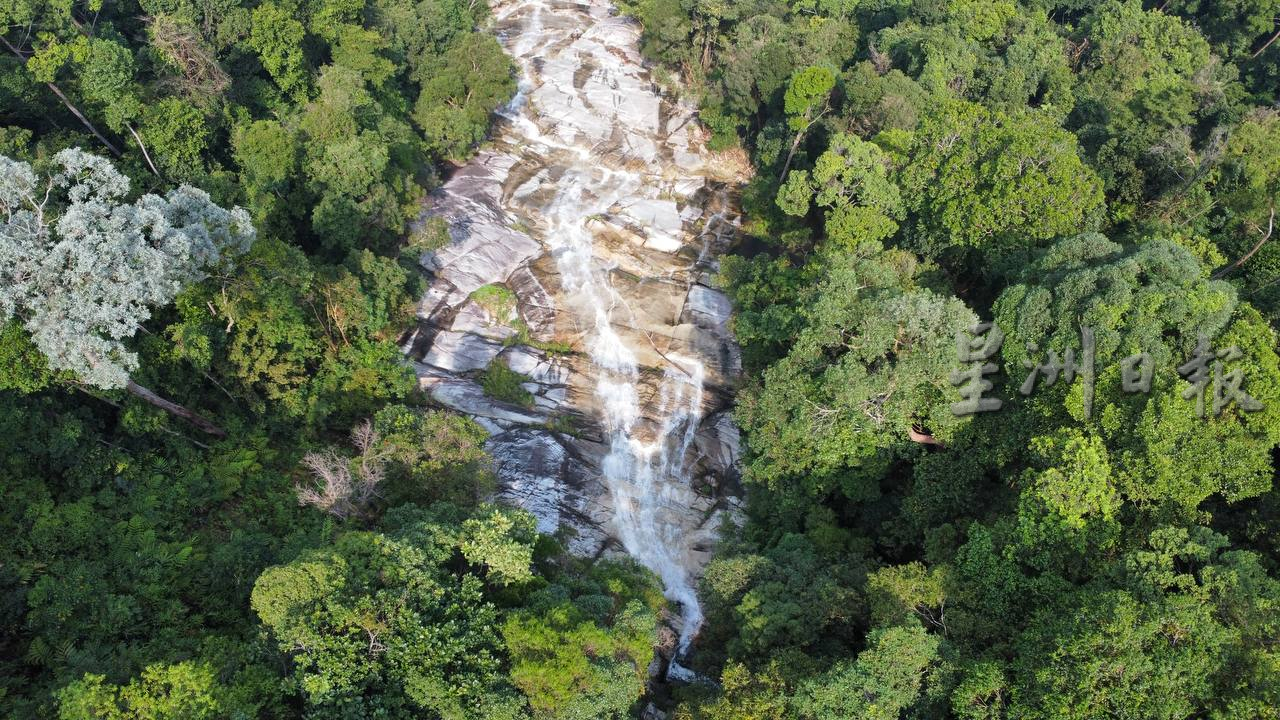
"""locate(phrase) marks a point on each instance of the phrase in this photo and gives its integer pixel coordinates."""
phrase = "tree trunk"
(922, 437)
(145, 154)
(74, 110)
(1265, 45)
(795, 145)
(1271, 224)
(175, 409)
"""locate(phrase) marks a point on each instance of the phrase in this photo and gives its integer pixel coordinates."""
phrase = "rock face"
(583, 242)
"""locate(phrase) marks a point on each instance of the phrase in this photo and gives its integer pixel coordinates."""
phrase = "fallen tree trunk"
(175, 409)
(65, 101)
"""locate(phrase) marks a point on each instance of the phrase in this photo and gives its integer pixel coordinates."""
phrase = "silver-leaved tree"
(81, 267)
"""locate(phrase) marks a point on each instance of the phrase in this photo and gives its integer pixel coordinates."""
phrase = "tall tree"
(379, 624)
(870, 365)
(995, 182)
(1154, 299)
(884, 681)
(807, 99)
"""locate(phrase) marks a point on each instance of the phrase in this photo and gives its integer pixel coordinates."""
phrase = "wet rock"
(538, 473)
(466, 396)
(707, 308)
(461, 352)
(717, 442)
(474, 319)
(538, 366)
(660, 221)
(651, 712)
(537, 307)
(530, 465)
(598, 206)
(656, 668)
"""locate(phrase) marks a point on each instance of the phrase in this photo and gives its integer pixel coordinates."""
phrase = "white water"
(642, 468)
(582, 146)
(638, 470)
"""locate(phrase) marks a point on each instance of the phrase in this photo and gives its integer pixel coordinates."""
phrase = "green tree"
(744, 695)
(870, 367)
(313, 341)
(378, 623)
(1248, 187)
(582, 650)
(441, 455)
(1068, 514)
(1112, 655)
(806, 100)
(277, 38)
(1147, 83)
(994, 182)
(793, 596)
(502, 542)
(177, 138)
(461, 88)
(1152, 299)
(910, 595)
(1238, 29)
(852, 180)
(882, 683)
(163, 692)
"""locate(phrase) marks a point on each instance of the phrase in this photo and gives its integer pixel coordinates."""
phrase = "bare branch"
(335, 489)
(1265, 45)
(145, 154)
(1271, 224)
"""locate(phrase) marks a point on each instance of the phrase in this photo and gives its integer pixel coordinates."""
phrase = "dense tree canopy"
(870, 363)
(378, 623)
(83, 270)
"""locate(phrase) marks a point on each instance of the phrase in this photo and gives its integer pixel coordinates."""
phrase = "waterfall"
(597, 205)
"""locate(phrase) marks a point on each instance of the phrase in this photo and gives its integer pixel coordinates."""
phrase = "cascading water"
(639, 472)
(642, 464)
(598, 207)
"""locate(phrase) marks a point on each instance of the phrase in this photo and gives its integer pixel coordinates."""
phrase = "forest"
(223, 494)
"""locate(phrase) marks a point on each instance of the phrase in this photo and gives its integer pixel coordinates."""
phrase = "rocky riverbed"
(584, 240)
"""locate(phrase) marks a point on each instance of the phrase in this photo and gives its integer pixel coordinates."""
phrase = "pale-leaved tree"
(81, 267)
